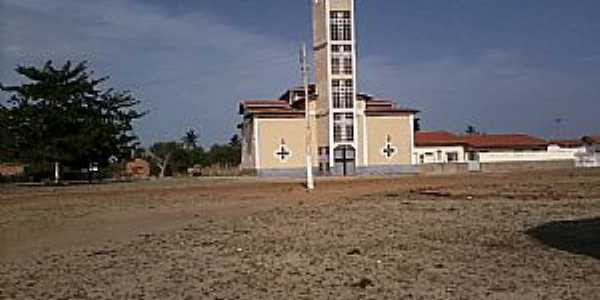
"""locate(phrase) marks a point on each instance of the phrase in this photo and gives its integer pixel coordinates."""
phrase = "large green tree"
(63, 115)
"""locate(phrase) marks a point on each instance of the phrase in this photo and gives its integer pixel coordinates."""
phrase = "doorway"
(344, 160)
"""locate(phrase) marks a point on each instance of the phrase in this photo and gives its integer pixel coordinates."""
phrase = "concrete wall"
(341, 4)
(440, 151)
(442, 168)
(491, 157)
(270, 132)
(527, 165)
(497, 167)
(399, 129)
(248, 145)
(321, 60)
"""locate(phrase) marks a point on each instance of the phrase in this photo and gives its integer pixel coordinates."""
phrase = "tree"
(161, 154)
(236, 150)
(62, 115)
(190, 139)
(471, 130)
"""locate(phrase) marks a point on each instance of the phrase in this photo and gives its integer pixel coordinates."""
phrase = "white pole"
(310, 184)
(56, 173)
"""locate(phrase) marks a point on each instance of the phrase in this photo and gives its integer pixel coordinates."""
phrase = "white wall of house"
(589, 158)
(437, 155)
(509, 156)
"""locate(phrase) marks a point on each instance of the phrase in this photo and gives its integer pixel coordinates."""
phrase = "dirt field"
(493, 236)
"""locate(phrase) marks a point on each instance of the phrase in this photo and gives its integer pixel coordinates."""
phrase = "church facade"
(350, 132)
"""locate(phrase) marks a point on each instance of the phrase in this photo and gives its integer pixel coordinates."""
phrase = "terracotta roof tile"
(437, 138)
(503, 141)
(444, 138)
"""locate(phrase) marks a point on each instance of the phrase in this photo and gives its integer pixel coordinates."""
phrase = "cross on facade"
(389, 150)
(283, 153)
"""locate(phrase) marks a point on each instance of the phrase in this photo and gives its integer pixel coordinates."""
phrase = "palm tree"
(190, 139)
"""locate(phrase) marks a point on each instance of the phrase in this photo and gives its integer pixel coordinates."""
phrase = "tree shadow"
(579, 236)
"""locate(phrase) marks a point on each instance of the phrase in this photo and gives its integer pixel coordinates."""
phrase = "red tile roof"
(480, 141)
(282, 107)
(274, 108)
(504, 141)
(380, 107)
(437, 138)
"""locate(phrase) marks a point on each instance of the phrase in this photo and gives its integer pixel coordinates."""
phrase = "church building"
(350, 133)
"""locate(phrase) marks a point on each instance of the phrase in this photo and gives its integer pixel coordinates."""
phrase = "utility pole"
(558, 122)
(310, 184)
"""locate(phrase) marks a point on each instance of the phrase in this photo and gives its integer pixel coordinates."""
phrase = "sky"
(501, 65)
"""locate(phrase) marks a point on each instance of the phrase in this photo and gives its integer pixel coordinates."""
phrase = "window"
(341, 59)
(343, 93)
(341, 26)
(343, 127)
(452, 156)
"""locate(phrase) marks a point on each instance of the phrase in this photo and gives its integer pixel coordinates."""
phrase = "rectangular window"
(341, 26)
(341, 59)
(343, 93)
(343, 127)
(452, 156)
(336, 66)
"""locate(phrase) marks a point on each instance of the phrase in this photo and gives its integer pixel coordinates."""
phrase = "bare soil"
(533, 235)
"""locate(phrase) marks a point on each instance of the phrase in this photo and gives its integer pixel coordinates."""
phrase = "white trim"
(256, 143)
(365, 141)
(412, 138)
(329, 77)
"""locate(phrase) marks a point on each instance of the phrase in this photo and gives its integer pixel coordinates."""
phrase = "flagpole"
(310, 185)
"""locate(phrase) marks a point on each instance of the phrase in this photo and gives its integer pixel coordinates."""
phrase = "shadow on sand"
(580, 236)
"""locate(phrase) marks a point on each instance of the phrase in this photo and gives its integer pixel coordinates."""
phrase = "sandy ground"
(494, 236)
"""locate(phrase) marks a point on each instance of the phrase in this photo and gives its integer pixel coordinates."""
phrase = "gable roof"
(507, 141)
(381, 107)
(437, 138)
(269, 108)
(479, 141)
(282, 108)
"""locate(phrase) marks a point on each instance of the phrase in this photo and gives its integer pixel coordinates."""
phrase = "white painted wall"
(433, 155)
(509, 156)
(589, 158)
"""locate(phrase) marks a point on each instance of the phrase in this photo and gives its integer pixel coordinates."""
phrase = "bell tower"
(334, 45)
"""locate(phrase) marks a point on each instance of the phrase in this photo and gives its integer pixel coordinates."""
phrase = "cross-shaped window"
(389, 150)
(283, 153)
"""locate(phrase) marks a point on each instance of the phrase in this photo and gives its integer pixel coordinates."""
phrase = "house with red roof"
(446, 147)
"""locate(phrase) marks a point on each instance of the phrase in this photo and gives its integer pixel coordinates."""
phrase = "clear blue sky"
(504, 66)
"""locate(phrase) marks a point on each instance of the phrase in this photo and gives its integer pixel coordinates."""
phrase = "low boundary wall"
(462, 168)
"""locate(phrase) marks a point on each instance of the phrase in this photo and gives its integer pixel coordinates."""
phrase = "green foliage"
(471, 130)
(180, 157)
(190, 139)
(63, 115)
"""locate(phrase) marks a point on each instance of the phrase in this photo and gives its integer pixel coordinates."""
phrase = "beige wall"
(270, 132)
(399, 128)
(341, 4)
(321, 49)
